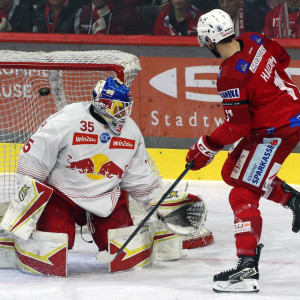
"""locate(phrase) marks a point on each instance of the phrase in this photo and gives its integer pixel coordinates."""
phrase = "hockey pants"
(252, 172)
(61, 214)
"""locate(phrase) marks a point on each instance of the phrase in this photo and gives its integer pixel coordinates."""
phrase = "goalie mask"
(112, 100)
(214, 27)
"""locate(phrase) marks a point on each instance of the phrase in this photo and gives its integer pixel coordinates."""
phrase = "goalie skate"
(242, 279)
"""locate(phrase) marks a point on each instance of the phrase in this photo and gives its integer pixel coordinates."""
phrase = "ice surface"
(188, 278)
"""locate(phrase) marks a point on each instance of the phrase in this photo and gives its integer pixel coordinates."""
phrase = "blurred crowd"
(275, 18)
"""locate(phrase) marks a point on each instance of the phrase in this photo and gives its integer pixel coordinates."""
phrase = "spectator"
(110, 17)
(272, 3)
(56, 16)
(177, 18)
(283, 21)
(16, 15)
(148, 10)
(245, 15)
(205, 5)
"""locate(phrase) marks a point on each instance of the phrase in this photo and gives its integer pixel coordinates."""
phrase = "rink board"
(171, 163)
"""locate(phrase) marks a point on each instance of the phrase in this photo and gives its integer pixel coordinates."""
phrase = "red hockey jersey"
(258, 95)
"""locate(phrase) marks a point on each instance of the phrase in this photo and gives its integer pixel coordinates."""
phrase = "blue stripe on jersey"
(295, 121)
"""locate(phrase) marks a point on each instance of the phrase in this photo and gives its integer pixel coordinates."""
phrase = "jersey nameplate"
(257, 59)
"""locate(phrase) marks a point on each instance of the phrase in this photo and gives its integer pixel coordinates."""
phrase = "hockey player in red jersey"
(262, 118)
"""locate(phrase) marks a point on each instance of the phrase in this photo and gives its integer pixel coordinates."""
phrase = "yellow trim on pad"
(171, 162)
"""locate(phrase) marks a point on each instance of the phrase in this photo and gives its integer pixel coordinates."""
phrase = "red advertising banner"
(178, 96)
(175, 97)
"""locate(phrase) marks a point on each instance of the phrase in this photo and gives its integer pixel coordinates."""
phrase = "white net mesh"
(70, 77)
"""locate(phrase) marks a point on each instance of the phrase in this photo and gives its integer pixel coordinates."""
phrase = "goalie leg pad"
(44, 253)
(152, 243)
(167, 245)
(138, 252)
(3, 210)
(26, 208)
(8, 255)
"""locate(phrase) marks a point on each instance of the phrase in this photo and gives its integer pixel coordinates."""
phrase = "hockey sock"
(277, 194)
(247, 221)
(247, 231)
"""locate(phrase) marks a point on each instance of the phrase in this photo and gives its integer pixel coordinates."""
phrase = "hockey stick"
(105, 257)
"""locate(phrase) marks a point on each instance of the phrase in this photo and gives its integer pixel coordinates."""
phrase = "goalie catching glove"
(202, 153)
(182, 213)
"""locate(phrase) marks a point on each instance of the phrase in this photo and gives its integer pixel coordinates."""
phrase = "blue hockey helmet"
(113, 101)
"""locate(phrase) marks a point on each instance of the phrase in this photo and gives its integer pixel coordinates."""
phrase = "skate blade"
(244, 286)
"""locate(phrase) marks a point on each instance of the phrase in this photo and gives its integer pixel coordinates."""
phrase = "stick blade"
(105, 258)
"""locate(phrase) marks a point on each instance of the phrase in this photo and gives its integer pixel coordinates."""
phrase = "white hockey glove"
(182, 213)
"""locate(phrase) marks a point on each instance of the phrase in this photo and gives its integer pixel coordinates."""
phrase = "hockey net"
(70, 77)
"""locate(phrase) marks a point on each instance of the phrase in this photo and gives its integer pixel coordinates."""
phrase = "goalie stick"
(105, 257)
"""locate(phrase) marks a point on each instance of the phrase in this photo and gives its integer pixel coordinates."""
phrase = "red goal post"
(70, 76)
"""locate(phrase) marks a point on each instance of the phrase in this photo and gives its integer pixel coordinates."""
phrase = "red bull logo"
(97, 167)
(110, 169)
(83, 166)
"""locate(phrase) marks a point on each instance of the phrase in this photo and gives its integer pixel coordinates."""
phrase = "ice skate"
(294, 205)
(242, 279)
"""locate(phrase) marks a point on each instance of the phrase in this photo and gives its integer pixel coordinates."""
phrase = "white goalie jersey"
(84, 160)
